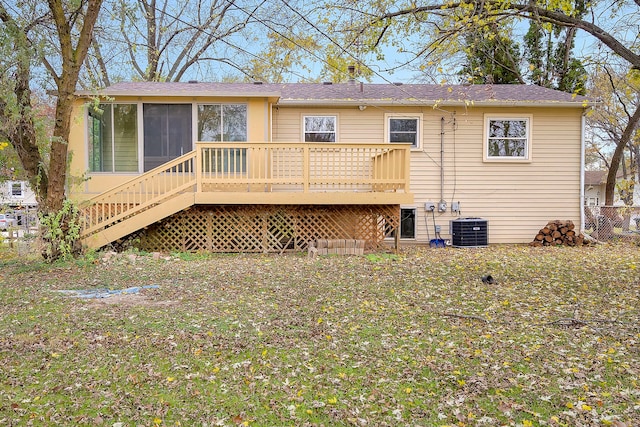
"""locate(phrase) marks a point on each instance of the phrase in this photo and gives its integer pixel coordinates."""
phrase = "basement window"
(17, 189)
(407, 224)
(507, 138)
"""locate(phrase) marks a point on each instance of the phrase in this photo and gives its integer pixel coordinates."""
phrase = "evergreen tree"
(491, 58)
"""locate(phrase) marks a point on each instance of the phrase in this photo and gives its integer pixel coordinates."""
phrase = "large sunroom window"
(223, 123)
(113, 138)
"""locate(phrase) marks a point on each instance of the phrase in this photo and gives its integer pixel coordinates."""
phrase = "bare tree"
(57, 36)
(165, 40)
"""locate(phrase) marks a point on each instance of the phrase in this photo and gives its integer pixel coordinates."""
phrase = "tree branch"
(532, 11)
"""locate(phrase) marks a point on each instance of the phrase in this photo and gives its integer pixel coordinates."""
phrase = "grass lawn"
(414, 339)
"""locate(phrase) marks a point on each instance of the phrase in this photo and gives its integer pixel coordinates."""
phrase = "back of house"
(271, 167)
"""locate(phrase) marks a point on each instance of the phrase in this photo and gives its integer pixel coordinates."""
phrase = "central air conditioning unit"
(469, 232)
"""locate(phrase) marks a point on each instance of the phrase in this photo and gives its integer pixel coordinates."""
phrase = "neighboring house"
(595, 188)
(17, 194)
(268, 167)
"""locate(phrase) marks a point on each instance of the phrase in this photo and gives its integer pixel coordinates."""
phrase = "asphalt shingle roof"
(595, 177)
(354, 93)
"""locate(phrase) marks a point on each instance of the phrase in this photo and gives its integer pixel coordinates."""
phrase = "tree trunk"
(21, 132)
(49, 183)
(617, 156)
(72, 60)
(59, 151)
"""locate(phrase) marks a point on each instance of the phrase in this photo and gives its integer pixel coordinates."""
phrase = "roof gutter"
(201, 94)
(424, 103)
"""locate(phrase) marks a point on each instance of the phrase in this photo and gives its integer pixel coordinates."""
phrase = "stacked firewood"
(559, 233)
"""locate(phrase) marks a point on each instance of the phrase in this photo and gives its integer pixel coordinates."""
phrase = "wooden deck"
(251, 174)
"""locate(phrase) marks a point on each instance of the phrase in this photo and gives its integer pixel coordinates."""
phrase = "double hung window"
(320, 128)
(507, 138)
(403, 129)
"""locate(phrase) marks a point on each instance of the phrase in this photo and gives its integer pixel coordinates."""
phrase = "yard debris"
(569, 323)
(488, 280)
(103, 292)
(340, 246)
(466, 316)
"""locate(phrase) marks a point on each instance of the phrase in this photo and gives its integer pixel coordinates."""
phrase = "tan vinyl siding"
(516, 198)
(353, 125)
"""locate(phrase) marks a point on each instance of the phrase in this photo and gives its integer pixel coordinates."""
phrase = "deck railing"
(256, 167)
(294, 167)
(139, 193)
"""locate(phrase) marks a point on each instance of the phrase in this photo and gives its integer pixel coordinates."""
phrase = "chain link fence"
(21, 234)
(613, 223)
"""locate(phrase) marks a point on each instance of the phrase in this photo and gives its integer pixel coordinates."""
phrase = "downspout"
(441, 161)
(582, 159)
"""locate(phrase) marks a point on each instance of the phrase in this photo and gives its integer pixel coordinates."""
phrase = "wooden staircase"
(139, 202)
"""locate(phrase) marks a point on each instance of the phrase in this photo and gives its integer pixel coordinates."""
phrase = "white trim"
(507, 159)
(139, 136)
(582, 170)
(140, 124)
(417, 116)
(429, 103)
(194, 124)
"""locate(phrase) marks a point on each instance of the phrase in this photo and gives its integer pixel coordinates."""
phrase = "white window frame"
(413, 116)
(526, 158)
(139, 136)
(16, 183)
(304, 127)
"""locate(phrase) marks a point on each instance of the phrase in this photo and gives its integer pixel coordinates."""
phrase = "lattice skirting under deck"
(268, 228)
